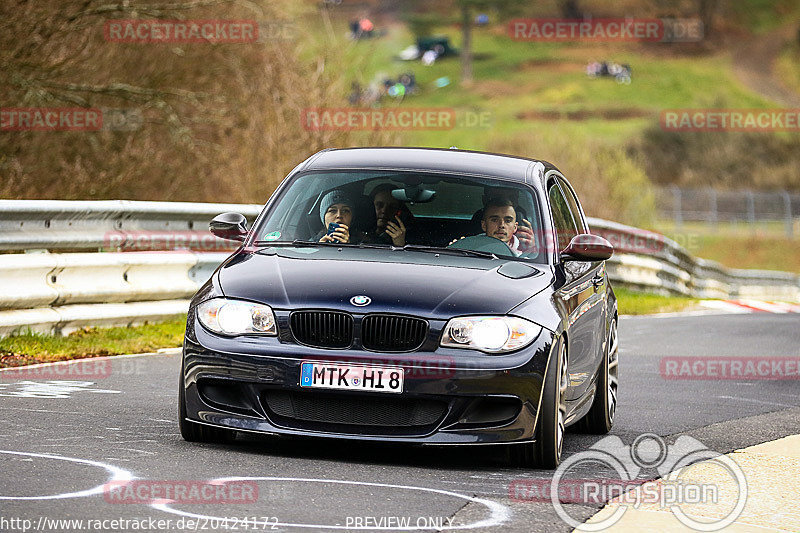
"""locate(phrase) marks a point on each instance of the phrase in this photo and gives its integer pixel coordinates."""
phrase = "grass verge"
(765, 248)
(644, 303)
(29, 348)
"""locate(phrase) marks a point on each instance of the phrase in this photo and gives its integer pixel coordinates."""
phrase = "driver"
(500, 222)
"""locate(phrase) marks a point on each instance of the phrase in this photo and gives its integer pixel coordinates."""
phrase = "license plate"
(351, 377)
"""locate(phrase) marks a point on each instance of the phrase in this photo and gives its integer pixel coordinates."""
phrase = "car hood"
(415, 283)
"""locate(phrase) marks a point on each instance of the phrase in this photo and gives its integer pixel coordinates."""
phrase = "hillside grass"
(764, 246)
(513, 78)
(787, 67)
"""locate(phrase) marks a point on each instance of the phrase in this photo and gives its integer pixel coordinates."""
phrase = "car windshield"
(408, 211)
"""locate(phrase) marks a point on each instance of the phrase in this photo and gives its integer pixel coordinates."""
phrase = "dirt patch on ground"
(499, 89)
(586, 114)
(552, 65)
(754, 65)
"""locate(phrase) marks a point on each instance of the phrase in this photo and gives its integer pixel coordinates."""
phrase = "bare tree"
(706, 10)
(467, 10)
(220, 121)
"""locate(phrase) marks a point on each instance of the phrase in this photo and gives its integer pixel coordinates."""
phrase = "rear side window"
(562, 217)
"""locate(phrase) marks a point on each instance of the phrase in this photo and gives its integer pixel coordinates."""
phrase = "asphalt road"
(119, 421)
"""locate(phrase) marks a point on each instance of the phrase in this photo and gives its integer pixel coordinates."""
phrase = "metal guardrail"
(648, 260)
(60, 292)
(112, 225)
(63, 292)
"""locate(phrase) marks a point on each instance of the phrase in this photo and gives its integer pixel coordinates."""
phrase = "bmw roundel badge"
(360, 300)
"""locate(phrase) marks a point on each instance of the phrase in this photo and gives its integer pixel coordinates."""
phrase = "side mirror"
(587, 247)
(231, 226)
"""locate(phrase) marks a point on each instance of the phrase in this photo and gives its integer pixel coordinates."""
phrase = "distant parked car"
(409, 295)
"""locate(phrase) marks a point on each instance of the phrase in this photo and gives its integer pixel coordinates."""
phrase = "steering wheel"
(482, 243)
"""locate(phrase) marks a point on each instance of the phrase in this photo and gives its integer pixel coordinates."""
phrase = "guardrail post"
(787, 203)
(678, 208)
(751, 210)
(713, 207)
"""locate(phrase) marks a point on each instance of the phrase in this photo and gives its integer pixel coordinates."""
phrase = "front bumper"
(252, 384)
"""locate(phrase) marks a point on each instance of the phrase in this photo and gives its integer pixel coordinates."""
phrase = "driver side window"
(562, 218)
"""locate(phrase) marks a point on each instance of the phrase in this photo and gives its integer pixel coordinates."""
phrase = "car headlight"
(235, 317)
(493, 334)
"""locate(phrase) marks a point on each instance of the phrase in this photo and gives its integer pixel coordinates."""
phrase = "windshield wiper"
(414, 247)
(452, 251)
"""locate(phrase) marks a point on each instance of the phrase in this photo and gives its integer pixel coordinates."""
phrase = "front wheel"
(600, 417)
(545, 452)
(194, 432)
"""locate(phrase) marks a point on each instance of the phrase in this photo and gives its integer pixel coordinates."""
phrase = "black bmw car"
(410, 295)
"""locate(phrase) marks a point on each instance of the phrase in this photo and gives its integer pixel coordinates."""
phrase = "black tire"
(600, 417)
(545, 452)
(194, 432)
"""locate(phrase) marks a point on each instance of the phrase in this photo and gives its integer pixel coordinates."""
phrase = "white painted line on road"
(60, 389)
(500, 514)
(117, 475)
(750, 400)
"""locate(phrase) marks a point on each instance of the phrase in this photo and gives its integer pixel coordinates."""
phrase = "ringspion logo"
(627, 483)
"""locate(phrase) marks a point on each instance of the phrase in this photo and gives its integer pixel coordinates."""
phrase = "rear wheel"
(194, 432)
(600, 417)
(545, 452)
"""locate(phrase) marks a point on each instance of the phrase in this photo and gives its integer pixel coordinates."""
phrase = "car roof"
(430, 160)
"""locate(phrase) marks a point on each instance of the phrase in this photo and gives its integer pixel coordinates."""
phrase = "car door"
(591, 310)
(577, 296)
